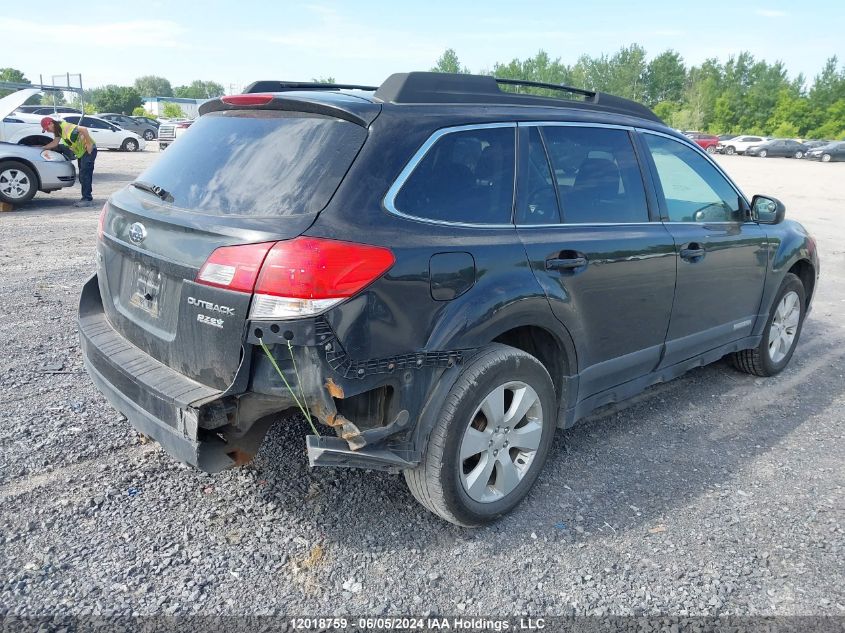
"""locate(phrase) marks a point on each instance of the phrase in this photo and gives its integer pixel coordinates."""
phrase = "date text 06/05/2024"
(418, 623)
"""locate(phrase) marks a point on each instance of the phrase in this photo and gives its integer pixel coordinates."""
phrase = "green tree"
(449, 63)
(743, 95)
(790, 116)
(120, 99)
(665, 78)
(153, 86)
(622, 74)
(667, 110)
(628, 72)
(539, 68)
(13, 75)
(828, 87)
(172, 111)
(199, 90)
(323, 80)
(141, 111)
(834, 123)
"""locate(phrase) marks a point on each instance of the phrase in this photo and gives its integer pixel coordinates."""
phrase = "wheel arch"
(806, 272)
(26, 162)
(543, 345)
(795, 254)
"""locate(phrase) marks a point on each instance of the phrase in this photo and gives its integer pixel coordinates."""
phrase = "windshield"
(257, 163)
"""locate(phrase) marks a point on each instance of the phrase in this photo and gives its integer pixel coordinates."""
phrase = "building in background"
(190, 107)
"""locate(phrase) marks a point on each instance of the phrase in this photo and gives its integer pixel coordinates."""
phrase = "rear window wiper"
(157, 191)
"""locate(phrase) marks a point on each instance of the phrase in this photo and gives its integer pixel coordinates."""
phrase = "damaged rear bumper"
(157, 401)
(373, 406)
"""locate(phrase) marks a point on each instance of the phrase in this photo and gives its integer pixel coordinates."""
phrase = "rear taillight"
(234, 267)
(299, 277)
(306, 276)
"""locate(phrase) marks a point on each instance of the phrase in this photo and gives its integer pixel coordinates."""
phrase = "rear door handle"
(571, 263)
(692, 252)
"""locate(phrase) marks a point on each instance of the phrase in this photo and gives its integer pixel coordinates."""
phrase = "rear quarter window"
(257, 163)
(466, 176)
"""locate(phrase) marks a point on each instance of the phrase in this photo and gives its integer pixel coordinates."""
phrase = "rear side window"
(539, 204)
(597, 175)
(466, 176)
(250, 163)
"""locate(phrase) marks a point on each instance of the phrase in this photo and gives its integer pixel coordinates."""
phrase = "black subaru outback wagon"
(437, 272)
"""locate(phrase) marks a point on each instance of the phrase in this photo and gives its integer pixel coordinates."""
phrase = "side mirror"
(767, 210)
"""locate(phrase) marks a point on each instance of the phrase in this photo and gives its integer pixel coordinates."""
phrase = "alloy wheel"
(501, 441)
(14, 184)
(784, 326)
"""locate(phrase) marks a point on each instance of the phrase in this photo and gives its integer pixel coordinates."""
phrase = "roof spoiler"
(286, 86)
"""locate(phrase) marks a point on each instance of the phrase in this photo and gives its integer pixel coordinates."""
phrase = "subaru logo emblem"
(137, 233)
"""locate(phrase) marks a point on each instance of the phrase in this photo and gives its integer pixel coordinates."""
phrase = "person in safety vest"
(79, 140)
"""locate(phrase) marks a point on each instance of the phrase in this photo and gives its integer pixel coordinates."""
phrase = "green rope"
(299, 381)
(303, 409)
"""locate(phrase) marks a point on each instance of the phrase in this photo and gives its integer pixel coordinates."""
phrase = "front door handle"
(692, 252)
(569, 263)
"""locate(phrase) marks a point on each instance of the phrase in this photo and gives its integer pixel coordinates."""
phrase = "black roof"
(455, 89)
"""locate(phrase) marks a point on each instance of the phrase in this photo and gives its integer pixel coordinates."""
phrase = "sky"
(235, 43)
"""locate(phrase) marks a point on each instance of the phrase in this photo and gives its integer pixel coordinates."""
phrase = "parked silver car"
(143, 129)
(25, 170)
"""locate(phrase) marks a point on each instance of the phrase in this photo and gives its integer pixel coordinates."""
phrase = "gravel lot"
(717, 493)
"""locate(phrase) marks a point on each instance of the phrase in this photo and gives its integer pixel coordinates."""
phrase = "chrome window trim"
(562, 224)
(389, 201)
(612, 126)
(695, 147)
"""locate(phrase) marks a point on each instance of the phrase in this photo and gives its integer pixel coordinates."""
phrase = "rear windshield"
(257, 163)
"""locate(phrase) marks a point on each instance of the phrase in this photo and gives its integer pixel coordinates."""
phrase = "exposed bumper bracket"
(335, 451)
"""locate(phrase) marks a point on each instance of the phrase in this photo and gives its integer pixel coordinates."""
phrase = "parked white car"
(107, 135)
(739, 144)
(23, 129)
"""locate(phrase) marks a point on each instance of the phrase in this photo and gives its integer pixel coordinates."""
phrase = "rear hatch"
(238, 176)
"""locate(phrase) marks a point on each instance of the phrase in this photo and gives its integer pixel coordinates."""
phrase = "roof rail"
(430, 87)
(285, 86)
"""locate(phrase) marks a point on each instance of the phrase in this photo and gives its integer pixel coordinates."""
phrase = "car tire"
(825, 158)
(731, 150)
(130, 145)
(18, 183)
(786, 318)
(799, 154)
(762, 153)
(711, 149)
(502, 473)
(149, 135)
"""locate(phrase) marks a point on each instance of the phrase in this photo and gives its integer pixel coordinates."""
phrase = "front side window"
(693, 188)
(466, 176)
(597, 175)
